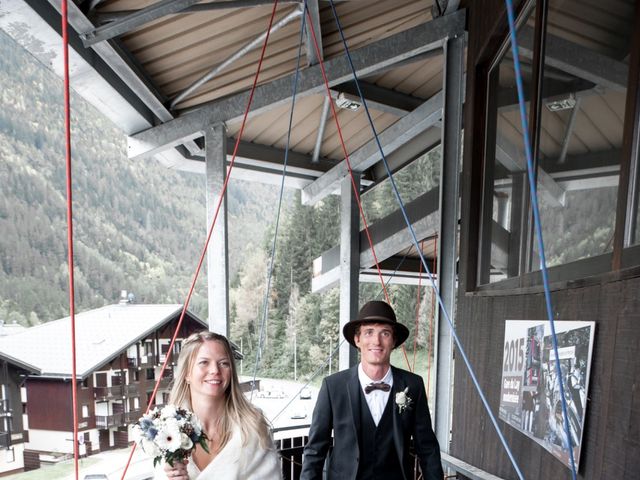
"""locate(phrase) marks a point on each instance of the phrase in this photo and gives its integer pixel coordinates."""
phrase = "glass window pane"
(582, 116)
(417, 178)
(505, 173)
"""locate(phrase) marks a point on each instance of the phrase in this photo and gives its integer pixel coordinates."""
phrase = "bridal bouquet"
(170, 434)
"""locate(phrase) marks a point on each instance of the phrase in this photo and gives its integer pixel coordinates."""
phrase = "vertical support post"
(349, 264)
(519, 219)
(449, 177)
(482, 275)
(626, 227)
(314, 14)
(217, 254)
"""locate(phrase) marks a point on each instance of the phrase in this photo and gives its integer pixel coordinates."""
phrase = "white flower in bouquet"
(150, 448)
(170, 434)
(197, 426)
(185, 442)
(168, 412)
(169, 438)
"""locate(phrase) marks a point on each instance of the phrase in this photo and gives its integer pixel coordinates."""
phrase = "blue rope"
(422, 259)
(388, 282)
(537, 222)
(313, 375)
(265, 306)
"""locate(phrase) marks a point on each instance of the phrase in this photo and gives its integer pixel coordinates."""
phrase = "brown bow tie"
(385, 387)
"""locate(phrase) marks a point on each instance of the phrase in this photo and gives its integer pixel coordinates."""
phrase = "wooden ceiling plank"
(367, 60)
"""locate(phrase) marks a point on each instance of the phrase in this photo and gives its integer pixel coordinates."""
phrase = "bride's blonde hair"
(237, 409)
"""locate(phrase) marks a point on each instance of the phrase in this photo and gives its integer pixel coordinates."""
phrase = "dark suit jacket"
(338, 409)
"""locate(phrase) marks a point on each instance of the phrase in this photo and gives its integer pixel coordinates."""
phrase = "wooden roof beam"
(577, 60)
(391, 139)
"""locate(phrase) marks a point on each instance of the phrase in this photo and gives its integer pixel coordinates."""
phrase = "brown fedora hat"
(376, 311)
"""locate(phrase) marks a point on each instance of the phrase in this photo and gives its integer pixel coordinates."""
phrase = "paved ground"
(280, 401)
(112, 463)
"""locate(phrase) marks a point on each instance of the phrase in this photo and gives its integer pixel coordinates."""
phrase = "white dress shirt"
(376, 399)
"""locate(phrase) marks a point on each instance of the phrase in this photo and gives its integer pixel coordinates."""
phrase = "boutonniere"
(403, 400)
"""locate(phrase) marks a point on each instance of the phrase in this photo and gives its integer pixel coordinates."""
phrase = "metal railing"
(291, 451)
(107, 421)
(5, 440)
(117, 391)
(143, 361)
(133, 416)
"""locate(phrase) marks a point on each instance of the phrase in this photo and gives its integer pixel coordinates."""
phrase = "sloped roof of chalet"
(17, 363)
(101, 335)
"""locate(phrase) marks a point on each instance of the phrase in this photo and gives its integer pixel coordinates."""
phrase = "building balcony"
(143, 361)
(165, 382)
(133, 416)
(132, 390)
(116, 391)
(7, 439)
(108, 421)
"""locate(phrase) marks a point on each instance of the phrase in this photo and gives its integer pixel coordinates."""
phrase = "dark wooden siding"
(611, 442)
(49, 404)
(31, 460)
(15, 399)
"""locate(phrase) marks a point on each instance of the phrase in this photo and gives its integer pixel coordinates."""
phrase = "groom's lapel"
(353, 391)
(399, 384)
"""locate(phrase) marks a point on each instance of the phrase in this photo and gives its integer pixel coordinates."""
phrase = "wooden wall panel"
(48, 404)
(611, 440)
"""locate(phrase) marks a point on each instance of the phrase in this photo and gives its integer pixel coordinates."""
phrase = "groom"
(373, 409)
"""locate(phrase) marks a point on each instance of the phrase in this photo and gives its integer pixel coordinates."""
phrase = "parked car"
(96, 476)
(298, 414)
(270, 394)
(305, 394)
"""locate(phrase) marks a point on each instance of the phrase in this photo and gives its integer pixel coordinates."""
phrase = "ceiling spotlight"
(565, 102)
(348, 102)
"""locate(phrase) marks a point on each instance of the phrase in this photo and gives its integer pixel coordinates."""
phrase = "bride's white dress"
(236, 462)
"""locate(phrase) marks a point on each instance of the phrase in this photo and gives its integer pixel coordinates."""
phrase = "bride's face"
(210, 373)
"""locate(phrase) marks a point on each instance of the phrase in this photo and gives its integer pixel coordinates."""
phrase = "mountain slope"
(137, 225)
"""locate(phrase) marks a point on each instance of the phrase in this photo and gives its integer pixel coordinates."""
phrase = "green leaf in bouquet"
(203, 443)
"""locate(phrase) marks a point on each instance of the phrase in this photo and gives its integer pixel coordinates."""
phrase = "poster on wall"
(530, 399)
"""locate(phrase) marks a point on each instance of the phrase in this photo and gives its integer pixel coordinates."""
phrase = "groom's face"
(376, 342)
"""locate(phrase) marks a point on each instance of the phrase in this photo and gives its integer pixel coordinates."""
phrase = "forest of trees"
(137, 226)
(140, 227)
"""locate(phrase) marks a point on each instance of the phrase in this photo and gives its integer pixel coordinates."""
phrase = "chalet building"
(119, 353)
(13, 428)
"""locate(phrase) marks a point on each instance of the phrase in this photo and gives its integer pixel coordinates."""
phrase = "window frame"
(625, 254)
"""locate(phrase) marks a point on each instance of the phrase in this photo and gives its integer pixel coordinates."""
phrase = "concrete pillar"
(448, 253)
(217, 254)
(349, 264)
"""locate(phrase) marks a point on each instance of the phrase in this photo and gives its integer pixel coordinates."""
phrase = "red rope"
(433, 315)
(213, 223)
(72, 315)
(415, 328)
(356, 192)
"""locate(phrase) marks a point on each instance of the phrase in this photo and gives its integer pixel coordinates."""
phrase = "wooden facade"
(13, 433)
(603, 289)
(11, 424)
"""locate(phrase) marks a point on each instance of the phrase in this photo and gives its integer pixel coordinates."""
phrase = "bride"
(239, 441)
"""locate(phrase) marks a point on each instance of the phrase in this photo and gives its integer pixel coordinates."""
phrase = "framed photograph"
(530, 399)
